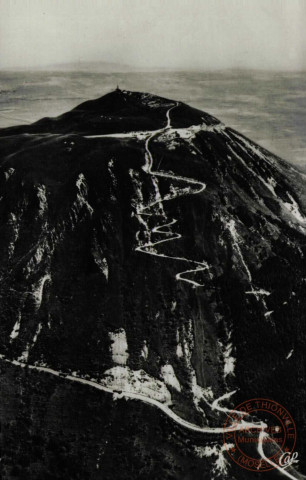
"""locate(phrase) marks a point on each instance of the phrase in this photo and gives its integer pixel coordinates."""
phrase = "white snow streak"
(119, 346)
(25, 354)
(231, 225)
(9, 173)
(145, 350)
(16, 329)
(229, 360)
(221, 462)
(42, 198)
(38, 292)
(179, 350)
(82, 194)
(294, 209)
(290, 354)
(169, 377)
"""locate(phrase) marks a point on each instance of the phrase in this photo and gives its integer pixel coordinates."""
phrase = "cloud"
(203, 34)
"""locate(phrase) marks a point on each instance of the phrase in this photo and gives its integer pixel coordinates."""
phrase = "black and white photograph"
(152, 239)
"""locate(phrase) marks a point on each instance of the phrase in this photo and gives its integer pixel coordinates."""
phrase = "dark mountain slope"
(167, 263)
(118, 111)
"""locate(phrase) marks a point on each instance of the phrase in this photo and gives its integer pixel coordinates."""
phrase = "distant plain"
(268, 107)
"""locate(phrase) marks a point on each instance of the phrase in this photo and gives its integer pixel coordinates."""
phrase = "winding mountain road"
(128, 395)
(166, 410)
(148, 247)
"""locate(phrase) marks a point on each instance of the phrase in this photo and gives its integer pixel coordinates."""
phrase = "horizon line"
(64, 67)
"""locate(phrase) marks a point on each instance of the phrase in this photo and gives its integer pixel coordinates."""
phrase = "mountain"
(152, 277)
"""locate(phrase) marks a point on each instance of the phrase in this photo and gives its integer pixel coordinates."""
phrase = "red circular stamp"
(259, 435)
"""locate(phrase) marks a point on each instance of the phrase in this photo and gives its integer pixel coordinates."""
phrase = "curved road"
(166, 410)
(200, 186)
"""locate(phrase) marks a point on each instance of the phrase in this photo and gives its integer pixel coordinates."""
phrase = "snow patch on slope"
(9, 173)
(228, 359)
(41, 251)
(179, 350)
(293, 209)
(12, 221)
(82, 195)
(25, 354)
(38, 290)
(259, 293)
(221, 463)
(42, 198)
(269, 183)
(253, 148)
(231, 226)
(113, 178)
(119, 346)
(290, 354)
(124, 379)
(189, 133)
(169, 377)
(16, 329)
(145, 350)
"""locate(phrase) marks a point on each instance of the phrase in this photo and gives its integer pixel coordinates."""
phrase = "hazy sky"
(208, 34)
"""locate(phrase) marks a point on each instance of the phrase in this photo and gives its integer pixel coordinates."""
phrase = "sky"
(174, 34)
